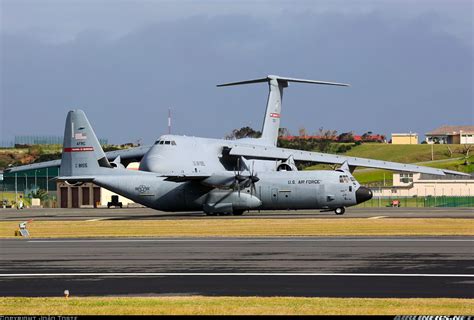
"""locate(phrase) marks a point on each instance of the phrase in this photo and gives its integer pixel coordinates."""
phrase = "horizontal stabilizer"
(282, 79)
(75, 178)
(126, 155)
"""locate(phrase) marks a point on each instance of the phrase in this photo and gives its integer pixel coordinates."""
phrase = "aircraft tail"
(271, 122)
(82, 154)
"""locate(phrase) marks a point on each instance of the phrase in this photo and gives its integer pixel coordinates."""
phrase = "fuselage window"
(341, 179)
(167, 142)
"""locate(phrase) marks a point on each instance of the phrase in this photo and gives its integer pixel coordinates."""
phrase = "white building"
(451, 135)
(423, 185)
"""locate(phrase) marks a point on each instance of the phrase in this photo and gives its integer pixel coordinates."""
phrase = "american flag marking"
(80, 136)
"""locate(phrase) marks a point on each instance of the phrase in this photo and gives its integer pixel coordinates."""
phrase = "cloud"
(406, 75)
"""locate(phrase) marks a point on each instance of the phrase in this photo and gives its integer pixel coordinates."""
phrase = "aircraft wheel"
(238, 212)
(340, 211)
(211, 214)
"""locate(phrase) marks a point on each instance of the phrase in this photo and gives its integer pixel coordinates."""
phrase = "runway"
(150, 214)
(328, 267)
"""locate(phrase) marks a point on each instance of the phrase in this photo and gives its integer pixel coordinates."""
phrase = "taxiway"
(329, 266)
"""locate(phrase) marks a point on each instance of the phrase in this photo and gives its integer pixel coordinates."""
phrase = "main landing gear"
(340, 211)
(235, 213)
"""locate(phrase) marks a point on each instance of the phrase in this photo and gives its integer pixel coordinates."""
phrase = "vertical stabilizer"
(82, 153)
(271, 122)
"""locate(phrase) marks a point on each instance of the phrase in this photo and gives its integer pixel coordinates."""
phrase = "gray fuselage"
(277, 190)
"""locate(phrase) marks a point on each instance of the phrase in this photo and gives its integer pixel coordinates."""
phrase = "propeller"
(245, 180)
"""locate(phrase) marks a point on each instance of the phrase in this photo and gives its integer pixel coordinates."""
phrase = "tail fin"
(271, 122)
(82, 153)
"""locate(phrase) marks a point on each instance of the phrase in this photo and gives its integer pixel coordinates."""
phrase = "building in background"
(451, 135)
(59, 194)
(405, 138)
(425, 185)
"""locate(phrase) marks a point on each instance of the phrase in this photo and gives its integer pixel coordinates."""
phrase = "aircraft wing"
(216, 179)
(184, 177)
(267, 152)
(126, 156)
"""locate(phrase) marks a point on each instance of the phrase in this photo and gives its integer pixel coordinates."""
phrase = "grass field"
(244, 228)
(198, 305)
(416, 154)
(404, 153)
(367, 176)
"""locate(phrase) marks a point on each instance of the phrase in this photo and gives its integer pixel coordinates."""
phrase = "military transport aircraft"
(216, 191)
(180, 173)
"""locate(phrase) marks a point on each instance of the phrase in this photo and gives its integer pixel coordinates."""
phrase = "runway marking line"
(378, 217)
(238, 274)
(251, 240)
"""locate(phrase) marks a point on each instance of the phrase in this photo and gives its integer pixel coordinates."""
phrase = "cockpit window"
(170, 142)
(344, 179)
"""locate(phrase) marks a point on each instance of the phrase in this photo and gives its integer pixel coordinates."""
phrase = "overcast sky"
(410, 64)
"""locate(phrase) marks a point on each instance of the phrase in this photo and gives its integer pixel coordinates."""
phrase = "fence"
(419, 202)
(28, 183)
(39, 140)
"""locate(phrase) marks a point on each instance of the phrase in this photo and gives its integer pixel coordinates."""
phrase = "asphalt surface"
(150, 214)
(328, 267)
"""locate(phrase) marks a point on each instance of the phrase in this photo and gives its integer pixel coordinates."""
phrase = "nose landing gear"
(340, 211)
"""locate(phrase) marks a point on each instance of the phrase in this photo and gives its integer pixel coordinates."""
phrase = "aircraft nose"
(363, 194)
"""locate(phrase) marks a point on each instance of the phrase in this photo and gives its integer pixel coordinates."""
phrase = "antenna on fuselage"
(271, 122)
(169, 120)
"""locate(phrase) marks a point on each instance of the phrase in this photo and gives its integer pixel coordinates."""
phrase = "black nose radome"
(363, 194)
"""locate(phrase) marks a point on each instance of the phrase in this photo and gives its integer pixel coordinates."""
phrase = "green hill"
(419, 154)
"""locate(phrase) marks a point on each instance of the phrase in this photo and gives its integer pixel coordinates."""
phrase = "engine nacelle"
(287, 165)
